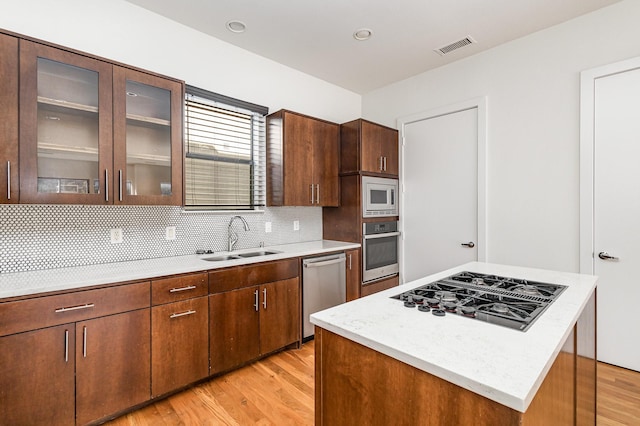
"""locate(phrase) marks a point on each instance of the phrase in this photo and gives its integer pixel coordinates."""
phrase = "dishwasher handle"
(324, 263)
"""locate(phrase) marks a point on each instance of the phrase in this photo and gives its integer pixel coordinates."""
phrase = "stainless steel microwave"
(379, 197)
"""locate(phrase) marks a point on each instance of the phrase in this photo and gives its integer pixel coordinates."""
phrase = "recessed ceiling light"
(236, 26)
(363, 34)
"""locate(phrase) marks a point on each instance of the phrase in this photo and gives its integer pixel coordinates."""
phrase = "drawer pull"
(75, 308)
(189, 287)
(182, 314)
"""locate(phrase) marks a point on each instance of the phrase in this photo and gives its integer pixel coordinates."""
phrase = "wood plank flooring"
(279, 391)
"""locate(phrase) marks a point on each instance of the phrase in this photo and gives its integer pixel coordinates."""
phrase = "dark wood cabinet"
(368, 147)
(280, 315)
(92, 132)
(37, 384)
(353, 274)
(254, 310)
(302, 160)
(112, 364)
(234, 321)
(253, 321)
(180, 344)
(83, 355)
(147, 117)
(66, 154)
(9, 124)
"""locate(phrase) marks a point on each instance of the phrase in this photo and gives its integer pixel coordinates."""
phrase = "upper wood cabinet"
(9, 124)
(147, 138)
(302, 160)
(95, 133)
(368, 147)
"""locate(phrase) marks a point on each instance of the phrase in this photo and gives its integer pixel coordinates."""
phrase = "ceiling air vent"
(455, 45)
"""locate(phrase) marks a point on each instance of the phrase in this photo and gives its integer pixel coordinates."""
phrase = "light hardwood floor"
(279, 391)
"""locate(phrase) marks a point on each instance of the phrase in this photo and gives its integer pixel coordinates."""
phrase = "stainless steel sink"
(221, 258)
(258, 253)
(240, 255)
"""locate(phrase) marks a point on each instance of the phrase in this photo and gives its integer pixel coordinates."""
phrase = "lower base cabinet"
(180, 344)
(37, 384)
(112, 364)
(75, 373)
(252, 321)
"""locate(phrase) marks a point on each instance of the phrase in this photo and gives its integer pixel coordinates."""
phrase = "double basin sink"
(240, 255)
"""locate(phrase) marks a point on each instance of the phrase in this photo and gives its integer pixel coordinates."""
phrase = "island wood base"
(358, 385)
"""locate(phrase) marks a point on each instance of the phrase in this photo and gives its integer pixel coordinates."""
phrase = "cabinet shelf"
(67, 105)
(149, 120)
(81, 153)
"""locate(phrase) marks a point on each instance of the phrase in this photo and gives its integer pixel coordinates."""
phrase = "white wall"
(120, 31)
(532, 85)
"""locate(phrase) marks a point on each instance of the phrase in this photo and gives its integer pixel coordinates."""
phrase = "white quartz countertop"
(500, 363)
(50, 280)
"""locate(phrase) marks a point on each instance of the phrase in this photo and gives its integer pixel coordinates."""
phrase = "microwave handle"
(385, 235)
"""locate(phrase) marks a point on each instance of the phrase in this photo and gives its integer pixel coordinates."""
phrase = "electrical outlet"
(296, 225)
(170, 233)
(116, 236)
(267, 227)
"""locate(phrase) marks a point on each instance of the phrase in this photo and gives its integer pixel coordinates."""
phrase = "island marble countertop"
(51, 280)
(499, 363)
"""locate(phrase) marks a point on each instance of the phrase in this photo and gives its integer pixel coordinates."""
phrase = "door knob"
(470, 244)
(605, 256)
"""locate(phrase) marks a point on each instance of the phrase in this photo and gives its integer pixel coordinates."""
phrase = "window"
(224, 152)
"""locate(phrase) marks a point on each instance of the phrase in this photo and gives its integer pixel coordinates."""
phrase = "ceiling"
(316, 36)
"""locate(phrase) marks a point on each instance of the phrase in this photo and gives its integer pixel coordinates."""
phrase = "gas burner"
(478, 281)
(446, 296)
(500, 308)
(530, 290)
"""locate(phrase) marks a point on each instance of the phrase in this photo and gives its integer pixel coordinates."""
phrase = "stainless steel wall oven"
(379, 250)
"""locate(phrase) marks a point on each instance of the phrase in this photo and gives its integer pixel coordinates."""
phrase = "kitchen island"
(379, 362)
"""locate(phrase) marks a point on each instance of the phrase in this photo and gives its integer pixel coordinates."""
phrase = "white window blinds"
(224, 152)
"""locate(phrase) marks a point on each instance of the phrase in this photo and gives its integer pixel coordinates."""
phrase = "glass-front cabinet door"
(147, 138)
(65, 127)
(9, 123)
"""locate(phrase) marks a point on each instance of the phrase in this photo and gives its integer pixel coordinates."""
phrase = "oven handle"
(388, 234)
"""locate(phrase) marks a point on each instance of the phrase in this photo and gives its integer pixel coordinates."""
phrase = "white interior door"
(617, 216)
(440, 193)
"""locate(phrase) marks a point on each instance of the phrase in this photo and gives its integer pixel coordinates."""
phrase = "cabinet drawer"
(47, 311)
(177, 288)
(246, 276)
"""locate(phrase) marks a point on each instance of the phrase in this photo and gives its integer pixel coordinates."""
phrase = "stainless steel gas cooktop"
(509, 302)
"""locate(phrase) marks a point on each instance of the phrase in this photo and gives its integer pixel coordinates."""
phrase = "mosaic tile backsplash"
(36, 237)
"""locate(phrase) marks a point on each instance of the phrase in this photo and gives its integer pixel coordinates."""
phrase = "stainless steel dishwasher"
(323, 286)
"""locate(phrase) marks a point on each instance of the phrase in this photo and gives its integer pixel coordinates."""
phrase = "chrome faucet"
(233, 236)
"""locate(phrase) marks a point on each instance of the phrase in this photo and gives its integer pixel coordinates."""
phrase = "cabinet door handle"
(256, 303)
(380, 168)
(120, 185)
(182, 314)
(75, 308)
(8, 180)
(318, 194)
(106, 184)
(350, 261)
(66, 346)
(264, 298)
(175, 290)
(311, 193)
(84, 341)
(385, 164)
